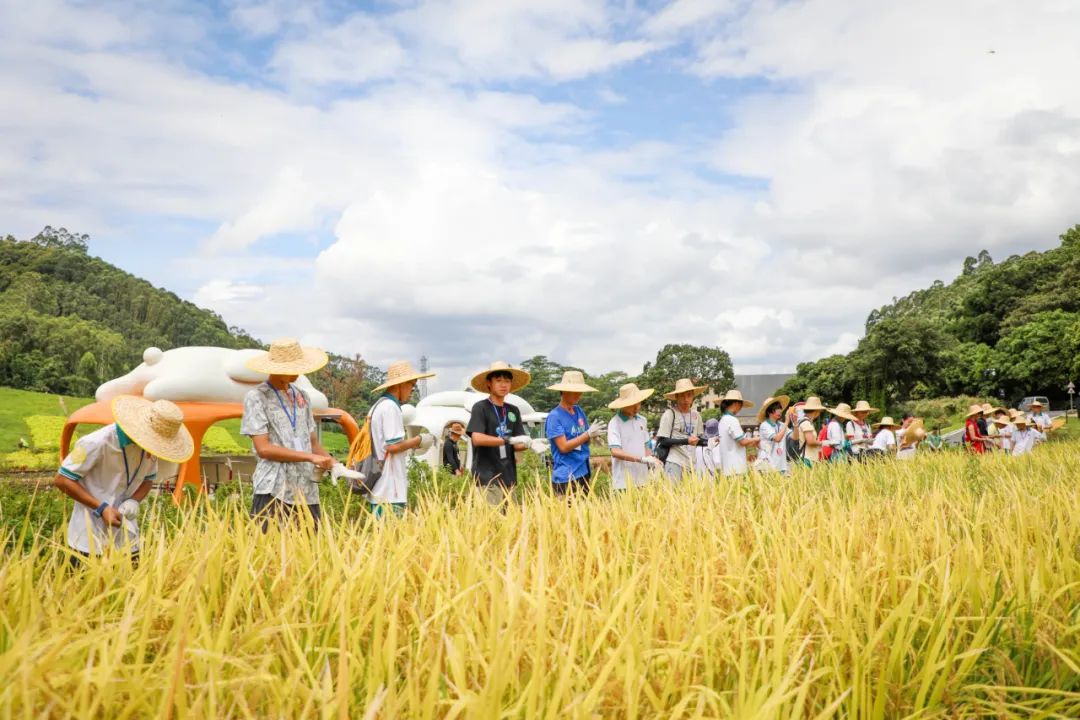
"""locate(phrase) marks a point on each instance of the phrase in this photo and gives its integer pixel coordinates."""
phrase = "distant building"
(755, 388)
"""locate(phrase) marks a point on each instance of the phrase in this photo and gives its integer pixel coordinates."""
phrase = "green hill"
(70, 321)
(1001, 330)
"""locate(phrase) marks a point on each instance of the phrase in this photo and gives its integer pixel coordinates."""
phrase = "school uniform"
(728, 453)
(772, 447)
(629, 434)
(1041, 421)
(858, 431)
(885, 441)
(388, 428)
(1023, 441)
(111, 467)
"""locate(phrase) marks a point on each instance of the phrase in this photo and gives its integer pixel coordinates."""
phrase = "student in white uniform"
(388, 439)
(729, 449)
(628, 437)
(773, 432)
(109, 472)
(858, 430)
(836, 438)
(885, 440)
(1025, 436)
(703, 454)
(1004, 430)
(1039, 417)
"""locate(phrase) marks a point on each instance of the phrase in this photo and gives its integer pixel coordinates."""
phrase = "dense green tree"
(709, 366)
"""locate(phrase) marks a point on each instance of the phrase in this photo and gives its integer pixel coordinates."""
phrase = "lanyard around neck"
(129, 477)
(284, 409)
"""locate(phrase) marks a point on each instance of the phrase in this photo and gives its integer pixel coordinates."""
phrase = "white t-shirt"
(885, 440)
(904, 453)
(1041, 420)
(1005, 433)
(858, 431)
(1023, 441)
(388, 428)
(97, 463)
(773, 449)
(729, 455)
(629, 434)
(835, 435)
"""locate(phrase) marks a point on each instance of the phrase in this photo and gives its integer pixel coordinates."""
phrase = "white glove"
(713, 442)
(652, 461)
(426, 441)
(129, 508)
(521, 440)
(539, 446)
(597, 428)
(340, 471)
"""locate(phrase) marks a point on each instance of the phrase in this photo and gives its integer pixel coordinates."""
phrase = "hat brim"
(132, 414)
(808, 408)
(572, 387)
(865, 410)
(620, 403)
(842, 414)
(974, 412)
(403, 380)
(697, 391)
(518, 379)
(784, 401)
(313, 359)
(913, 439)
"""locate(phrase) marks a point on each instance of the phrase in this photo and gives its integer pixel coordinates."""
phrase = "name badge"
(502, 452)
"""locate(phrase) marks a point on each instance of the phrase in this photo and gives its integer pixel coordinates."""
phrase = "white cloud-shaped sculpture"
(196, 374)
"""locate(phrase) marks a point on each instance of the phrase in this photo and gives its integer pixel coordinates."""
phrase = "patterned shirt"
(270, 412)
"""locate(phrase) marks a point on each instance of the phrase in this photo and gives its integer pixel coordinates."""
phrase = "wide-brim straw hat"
(155, 426)
(974, 410)
(736, 396)
(683, 385)
(1002, 421)
(1021, 420)
(518, 377)
(287, 357)
(813, 403)
(863, 406)
(989, 409)
(402, 372)
(886, 422)
(630, 394)
(784, 401)
(913, 436)
(843, 410)
(572, 381)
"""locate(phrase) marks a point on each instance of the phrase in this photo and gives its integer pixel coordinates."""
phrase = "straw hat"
(287, 357)
(863, 406)
(736, 396)
(629, 394)
(157, 427)
(518, 377)
(913, 436)
(813, 403)
(990, 409)
(402, 372)
(682, 386)
(843, 410)
(1002, 421)
(974, 410)
(784, 400)
(572, 381)
(886, 422)
(1013, 413)
(1036, 404)
(1020, 420)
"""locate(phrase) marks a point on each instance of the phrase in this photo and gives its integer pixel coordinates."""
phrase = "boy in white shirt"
(111, 470)
(388, 439)
(627, 437)
(1024, 436)
(729, 449)
(1039, 417)
(858, 430)
(885, 440)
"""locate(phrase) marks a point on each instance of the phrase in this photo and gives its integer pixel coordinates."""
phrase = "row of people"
(988, 429)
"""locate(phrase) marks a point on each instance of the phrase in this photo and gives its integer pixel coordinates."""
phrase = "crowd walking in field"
(108, 472)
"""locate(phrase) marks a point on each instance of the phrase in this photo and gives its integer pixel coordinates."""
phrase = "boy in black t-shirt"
(496, 431)
(450, 458)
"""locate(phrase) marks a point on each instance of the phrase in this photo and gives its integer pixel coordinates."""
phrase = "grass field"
(944, 587)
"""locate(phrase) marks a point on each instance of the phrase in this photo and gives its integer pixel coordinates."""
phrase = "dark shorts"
(263, 507)
(78, 558)
(577, 486)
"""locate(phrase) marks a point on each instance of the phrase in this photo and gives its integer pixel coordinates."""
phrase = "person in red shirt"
(974, 438)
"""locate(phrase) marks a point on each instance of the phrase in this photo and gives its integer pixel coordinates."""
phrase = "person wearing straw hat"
(681, 430)
(451, 459)
(974, 437)
(278, 419)
(1039, 417)
(885, 440)
(1025, 436)
(627, 437)
(109, 472)
(1002, 423)
(905, 451)
(909, 438)
(388, 438)
(773, 431)
(704, 464)
(568, 430)
(858, 430)
(837, 445)
(810, 444)
(496, 431)
(729, 448)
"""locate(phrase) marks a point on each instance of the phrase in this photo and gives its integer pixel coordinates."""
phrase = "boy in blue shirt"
(569, 432)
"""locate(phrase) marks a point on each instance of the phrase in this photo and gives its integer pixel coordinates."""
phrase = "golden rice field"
(944, 587)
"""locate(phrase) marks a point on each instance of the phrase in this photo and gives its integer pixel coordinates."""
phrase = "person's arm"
(142, 490)
(317, 448)
(810, 438)
(267, 450)
(566, 446)
(78, 492)
(403, 445)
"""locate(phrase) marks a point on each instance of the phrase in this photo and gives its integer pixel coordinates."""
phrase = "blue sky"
(485, 179)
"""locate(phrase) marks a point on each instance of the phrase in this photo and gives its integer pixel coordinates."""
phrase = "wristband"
(100, 509)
